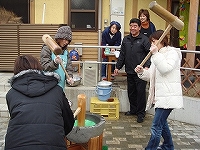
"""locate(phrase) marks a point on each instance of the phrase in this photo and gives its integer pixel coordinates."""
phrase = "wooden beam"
(169, 8)
(32, 12)
(66, 12)
(192, 30)
(135, 11)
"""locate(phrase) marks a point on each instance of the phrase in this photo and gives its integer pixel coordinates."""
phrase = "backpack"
(74, 56)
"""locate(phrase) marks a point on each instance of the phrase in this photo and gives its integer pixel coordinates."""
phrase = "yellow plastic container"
(109, 110)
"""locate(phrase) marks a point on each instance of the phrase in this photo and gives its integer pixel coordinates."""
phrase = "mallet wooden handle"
(67, 75)
(78, 110)
(160, 39)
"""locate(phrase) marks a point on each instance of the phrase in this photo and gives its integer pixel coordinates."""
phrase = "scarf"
(145, 24)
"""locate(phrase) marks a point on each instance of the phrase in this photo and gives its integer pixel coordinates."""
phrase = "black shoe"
(140, 119)
(128, 113)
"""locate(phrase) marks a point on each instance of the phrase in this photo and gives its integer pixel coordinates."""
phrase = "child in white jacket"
(165, 91)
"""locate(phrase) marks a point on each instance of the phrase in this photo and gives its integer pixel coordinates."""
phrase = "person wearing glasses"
(134, 49)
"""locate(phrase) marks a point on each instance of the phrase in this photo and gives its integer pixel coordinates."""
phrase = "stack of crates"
(109, 110)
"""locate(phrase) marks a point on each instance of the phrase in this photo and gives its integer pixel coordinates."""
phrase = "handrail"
(85, 46)
(119, 47)
(190, 51)
(193, 69)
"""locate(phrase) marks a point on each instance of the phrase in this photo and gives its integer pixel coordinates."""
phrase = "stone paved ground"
(127, 134)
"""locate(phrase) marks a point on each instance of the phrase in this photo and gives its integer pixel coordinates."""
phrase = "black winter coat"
(40, 115)
(133, 51)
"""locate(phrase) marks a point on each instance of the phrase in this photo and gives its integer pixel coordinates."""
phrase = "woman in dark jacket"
(147, 27)
(111, 36)
(40, 116)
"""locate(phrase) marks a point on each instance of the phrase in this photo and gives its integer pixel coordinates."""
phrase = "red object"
(103, 55)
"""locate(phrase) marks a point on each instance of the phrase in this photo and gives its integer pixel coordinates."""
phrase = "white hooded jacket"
(165, 89)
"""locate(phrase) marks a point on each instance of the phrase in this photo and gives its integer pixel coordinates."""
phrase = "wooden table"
(110, 57)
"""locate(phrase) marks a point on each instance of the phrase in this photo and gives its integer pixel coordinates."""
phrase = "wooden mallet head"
(166, 15)
(53, 46)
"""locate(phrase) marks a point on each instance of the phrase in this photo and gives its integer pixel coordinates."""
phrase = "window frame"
(95, 11)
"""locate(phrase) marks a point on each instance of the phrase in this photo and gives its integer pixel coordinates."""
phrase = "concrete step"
(4, 84)
(3, 97)
(4, 111)
(4, 88)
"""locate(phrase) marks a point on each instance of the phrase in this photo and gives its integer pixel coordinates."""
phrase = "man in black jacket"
(134, 48)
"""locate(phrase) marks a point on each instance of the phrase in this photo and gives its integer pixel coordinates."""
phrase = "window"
(83, 15)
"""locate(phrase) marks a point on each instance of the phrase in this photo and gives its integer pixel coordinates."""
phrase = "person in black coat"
(134, 49)
(40, 115)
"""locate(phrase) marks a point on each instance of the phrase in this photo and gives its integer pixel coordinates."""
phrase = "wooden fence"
(19, 39)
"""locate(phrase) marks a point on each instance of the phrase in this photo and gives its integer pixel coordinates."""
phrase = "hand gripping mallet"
(55, 48)
(173, 21)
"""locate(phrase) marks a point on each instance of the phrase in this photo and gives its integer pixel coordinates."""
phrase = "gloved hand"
(139, 69)
(58, 59)
(153, 49)
(70, 81)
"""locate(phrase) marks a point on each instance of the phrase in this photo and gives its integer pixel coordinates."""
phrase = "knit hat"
(64, 32)
(117, 25)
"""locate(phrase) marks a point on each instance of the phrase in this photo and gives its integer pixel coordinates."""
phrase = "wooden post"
(192, 30)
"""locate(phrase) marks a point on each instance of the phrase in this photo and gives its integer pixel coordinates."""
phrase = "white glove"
(153, 49)
(139, 69)
(58, 59)
(70, 81)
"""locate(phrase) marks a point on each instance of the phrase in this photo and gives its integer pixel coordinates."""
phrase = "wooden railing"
(191, 76)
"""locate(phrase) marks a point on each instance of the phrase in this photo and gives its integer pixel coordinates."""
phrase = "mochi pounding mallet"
(173, 21)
